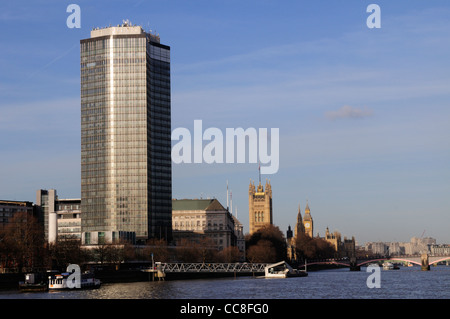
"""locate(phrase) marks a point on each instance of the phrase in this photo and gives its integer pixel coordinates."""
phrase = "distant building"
(377, 248)
(45, 204)
(240, 238)
(299, 226)
(68, 216)
(299, 229)
(10, 208)
(195, 219)
(343, 248)
(259, 206)
(90, 239)
(61, 217)
(308, 222)
(291, 236)
(289, 233)
(440, 250)
(418, 245)
(333, 238)
(348, 247)
(414, 247)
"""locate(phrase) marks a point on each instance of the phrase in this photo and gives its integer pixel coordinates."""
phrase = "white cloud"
(348, 111)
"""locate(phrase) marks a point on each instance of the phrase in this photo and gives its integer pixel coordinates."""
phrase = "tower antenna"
(259, 171)
(227, 197)
(231, 202)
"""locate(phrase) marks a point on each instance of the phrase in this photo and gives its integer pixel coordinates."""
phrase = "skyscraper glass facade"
(126, 182)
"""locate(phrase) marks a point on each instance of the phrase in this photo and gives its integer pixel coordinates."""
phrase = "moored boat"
(390, 266)
(88, 280)
(34, 282)
(59, 281)
(282, 270)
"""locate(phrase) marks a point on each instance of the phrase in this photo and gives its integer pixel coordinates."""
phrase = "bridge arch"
(416, 260)
(370, 261)
(331, 262)
(406, 259)
(439, 260)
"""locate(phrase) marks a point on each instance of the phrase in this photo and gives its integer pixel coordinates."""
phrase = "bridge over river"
(423, 260)
(159, 269)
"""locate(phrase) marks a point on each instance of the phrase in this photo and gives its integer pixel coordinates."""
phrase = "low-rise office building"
(195, 219)
(10, 208)
(61, 217)
(68, 218)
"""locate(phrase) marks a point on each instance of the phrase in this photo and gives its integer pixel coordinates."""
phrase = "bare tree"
(276, 251)
(22, 242)
(228, 255)
(159, 249)
(262, 252)
(202, 249)
(187, 251)
(66, 251)
(313, 248)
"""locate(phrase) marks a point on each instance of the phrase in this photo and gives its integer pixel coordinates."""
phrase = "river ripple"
(405, 283)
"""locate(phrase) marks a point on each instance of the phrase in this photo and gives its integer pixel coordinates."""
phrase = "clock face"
(307, 225)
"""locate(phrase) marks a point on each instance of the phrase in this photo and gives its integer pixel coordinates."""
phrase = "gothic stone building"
(259, 206)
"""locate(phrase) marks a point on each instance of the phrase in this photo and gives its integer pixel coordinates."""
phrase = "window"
(101, 237)
(87, 238)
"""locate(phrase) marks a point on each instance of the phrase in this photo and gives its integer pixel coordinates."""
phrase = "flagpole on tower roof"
(259, 171)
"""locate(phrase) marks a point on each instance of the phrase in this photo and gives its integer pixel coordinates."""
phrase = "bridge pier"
(354, 265)
(424, 262)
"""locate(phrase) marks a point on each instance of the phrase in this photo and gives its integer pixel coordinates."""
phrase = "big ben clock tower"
(308, 222)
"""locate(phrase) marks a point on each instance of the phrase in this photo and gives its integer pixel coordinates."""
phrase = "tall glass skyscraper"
(126, 174)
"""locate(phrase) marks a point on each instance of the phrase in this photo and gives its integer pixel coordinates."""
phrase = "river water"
(405, 283)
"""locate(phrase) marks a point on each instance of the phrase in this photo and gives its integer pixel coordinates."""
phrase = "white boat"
(388, 266)
(282, 270)
(59, 281)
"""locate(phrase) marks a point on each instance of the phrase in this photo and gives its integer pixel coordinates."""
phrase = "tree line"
(268, 244)
(22, 248)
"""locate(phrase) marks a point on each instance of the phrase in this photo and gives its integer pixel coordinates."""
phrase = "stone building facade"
(259, 206)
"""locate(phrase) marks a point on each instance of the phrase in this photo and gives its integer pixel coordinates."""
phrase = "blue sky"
(363, 114)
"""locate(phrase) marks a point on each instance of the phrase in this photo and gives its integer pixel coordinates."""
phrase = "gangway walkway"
(208, 267)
